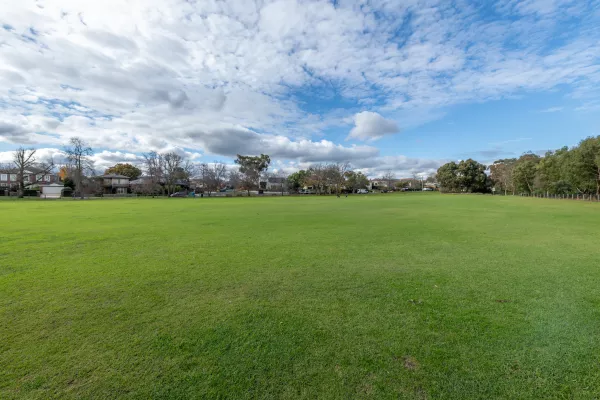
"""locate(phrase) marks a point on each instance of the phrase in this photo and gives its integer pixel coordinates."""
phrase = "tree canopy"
(562, 171)
(128, 170)
(251, 167)
(466, 176)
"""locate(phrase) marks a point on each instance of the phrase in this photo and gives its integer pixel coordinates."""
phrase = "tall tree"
(356, 180)
(27, 165)
(176, 170)
(251, 168)
(317, 177)
(213, 176)
(447, 176)
(585, 168)
(153, 167)
(297, 180)
(471, 176)
(525, 172)
(334, 176)
(126, 169)
(501, 172)
(234, 179)
(389, 178)
(551, 172)
(283, 177)
(78, 154)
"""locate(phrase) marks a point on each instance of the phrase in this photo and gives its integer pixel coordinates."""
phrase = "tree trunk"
(598, 182)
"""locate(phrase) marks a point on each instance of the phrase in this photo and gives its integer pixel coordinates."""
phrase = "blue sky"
(385, 85)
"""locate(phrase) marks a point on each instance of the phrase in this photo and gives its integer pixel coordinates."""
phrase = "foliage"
(501, 174)
(128, 170)
(297, 180)
(472, 177)
(585, 166)
(251, 167)
(68, 182)
(356, 180)
(524, 172)
(447, 176)
(30, 192)
(466, 176)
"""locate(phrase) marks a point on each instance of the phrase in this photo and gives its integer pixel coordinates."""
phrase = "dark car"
(179, 194)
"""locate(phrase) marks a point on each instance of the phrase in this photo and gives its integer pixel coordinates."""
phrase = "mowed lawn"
(414, 295)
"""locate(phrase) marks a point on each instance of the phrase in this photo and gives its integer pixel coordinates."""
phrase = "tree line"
(160, 173)
(564, 171)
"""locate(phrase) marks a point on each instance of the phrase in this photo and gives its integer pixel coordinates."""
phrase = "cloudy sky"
(402, 85)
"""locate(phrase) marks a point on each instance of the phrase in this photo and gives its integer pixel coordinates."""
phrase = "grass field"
(412, 295)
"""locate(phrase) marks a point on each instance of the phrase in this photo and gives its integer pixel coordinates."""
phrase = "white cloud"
(141, 75)
(371, 126)
(552, 110)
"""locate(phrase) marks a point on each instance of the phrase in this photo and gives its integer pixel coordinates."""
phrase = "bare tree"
(27, 166)
(213, 176)
(173, 170)
(235, 179)
(317, 177)
(154, 169)
(389, 178)
(176, 170)
(417, 180)
(78, 155)
(282, 175)
(341, 172)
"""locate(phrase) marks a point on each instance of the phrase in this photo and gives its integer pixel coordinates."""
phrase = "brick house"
(9, 178)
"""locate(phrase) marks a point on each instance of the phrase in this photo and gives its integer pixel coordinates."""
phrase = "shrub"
(30, 192)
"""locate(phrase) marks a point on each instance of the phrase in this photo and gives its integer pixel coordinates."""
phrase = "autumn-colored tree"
(126, 169)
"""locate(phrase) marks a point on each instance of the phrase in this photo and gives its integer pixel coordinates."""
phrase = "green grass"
(393, 296)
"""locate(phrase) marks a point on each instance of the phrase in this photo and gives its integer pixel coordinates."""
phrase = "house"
(52, 190)
(273, 183)
(9, 179)
(114, 183)
(377, 184)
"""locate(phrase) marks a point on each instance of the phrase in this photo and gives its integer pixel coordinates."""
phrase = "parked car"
(179, 194)
(362, 191)
(427, 189)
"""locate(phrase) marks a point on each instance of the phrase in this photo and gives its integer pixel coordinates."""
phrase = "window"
(38, 177)
(47, 178)
(13, 177)
(26, 178)
(4, 177)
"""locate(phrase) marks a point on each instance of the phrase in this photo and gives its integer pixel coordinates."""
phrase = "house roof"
(28, 171)
(276, 180)
(116, 176)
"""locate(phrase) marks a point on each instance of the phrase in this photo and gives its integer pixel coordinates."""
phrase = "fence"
(580, 197)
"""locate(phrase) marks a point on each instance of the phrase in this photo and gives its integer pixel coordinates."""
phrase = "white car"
(362, 191)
